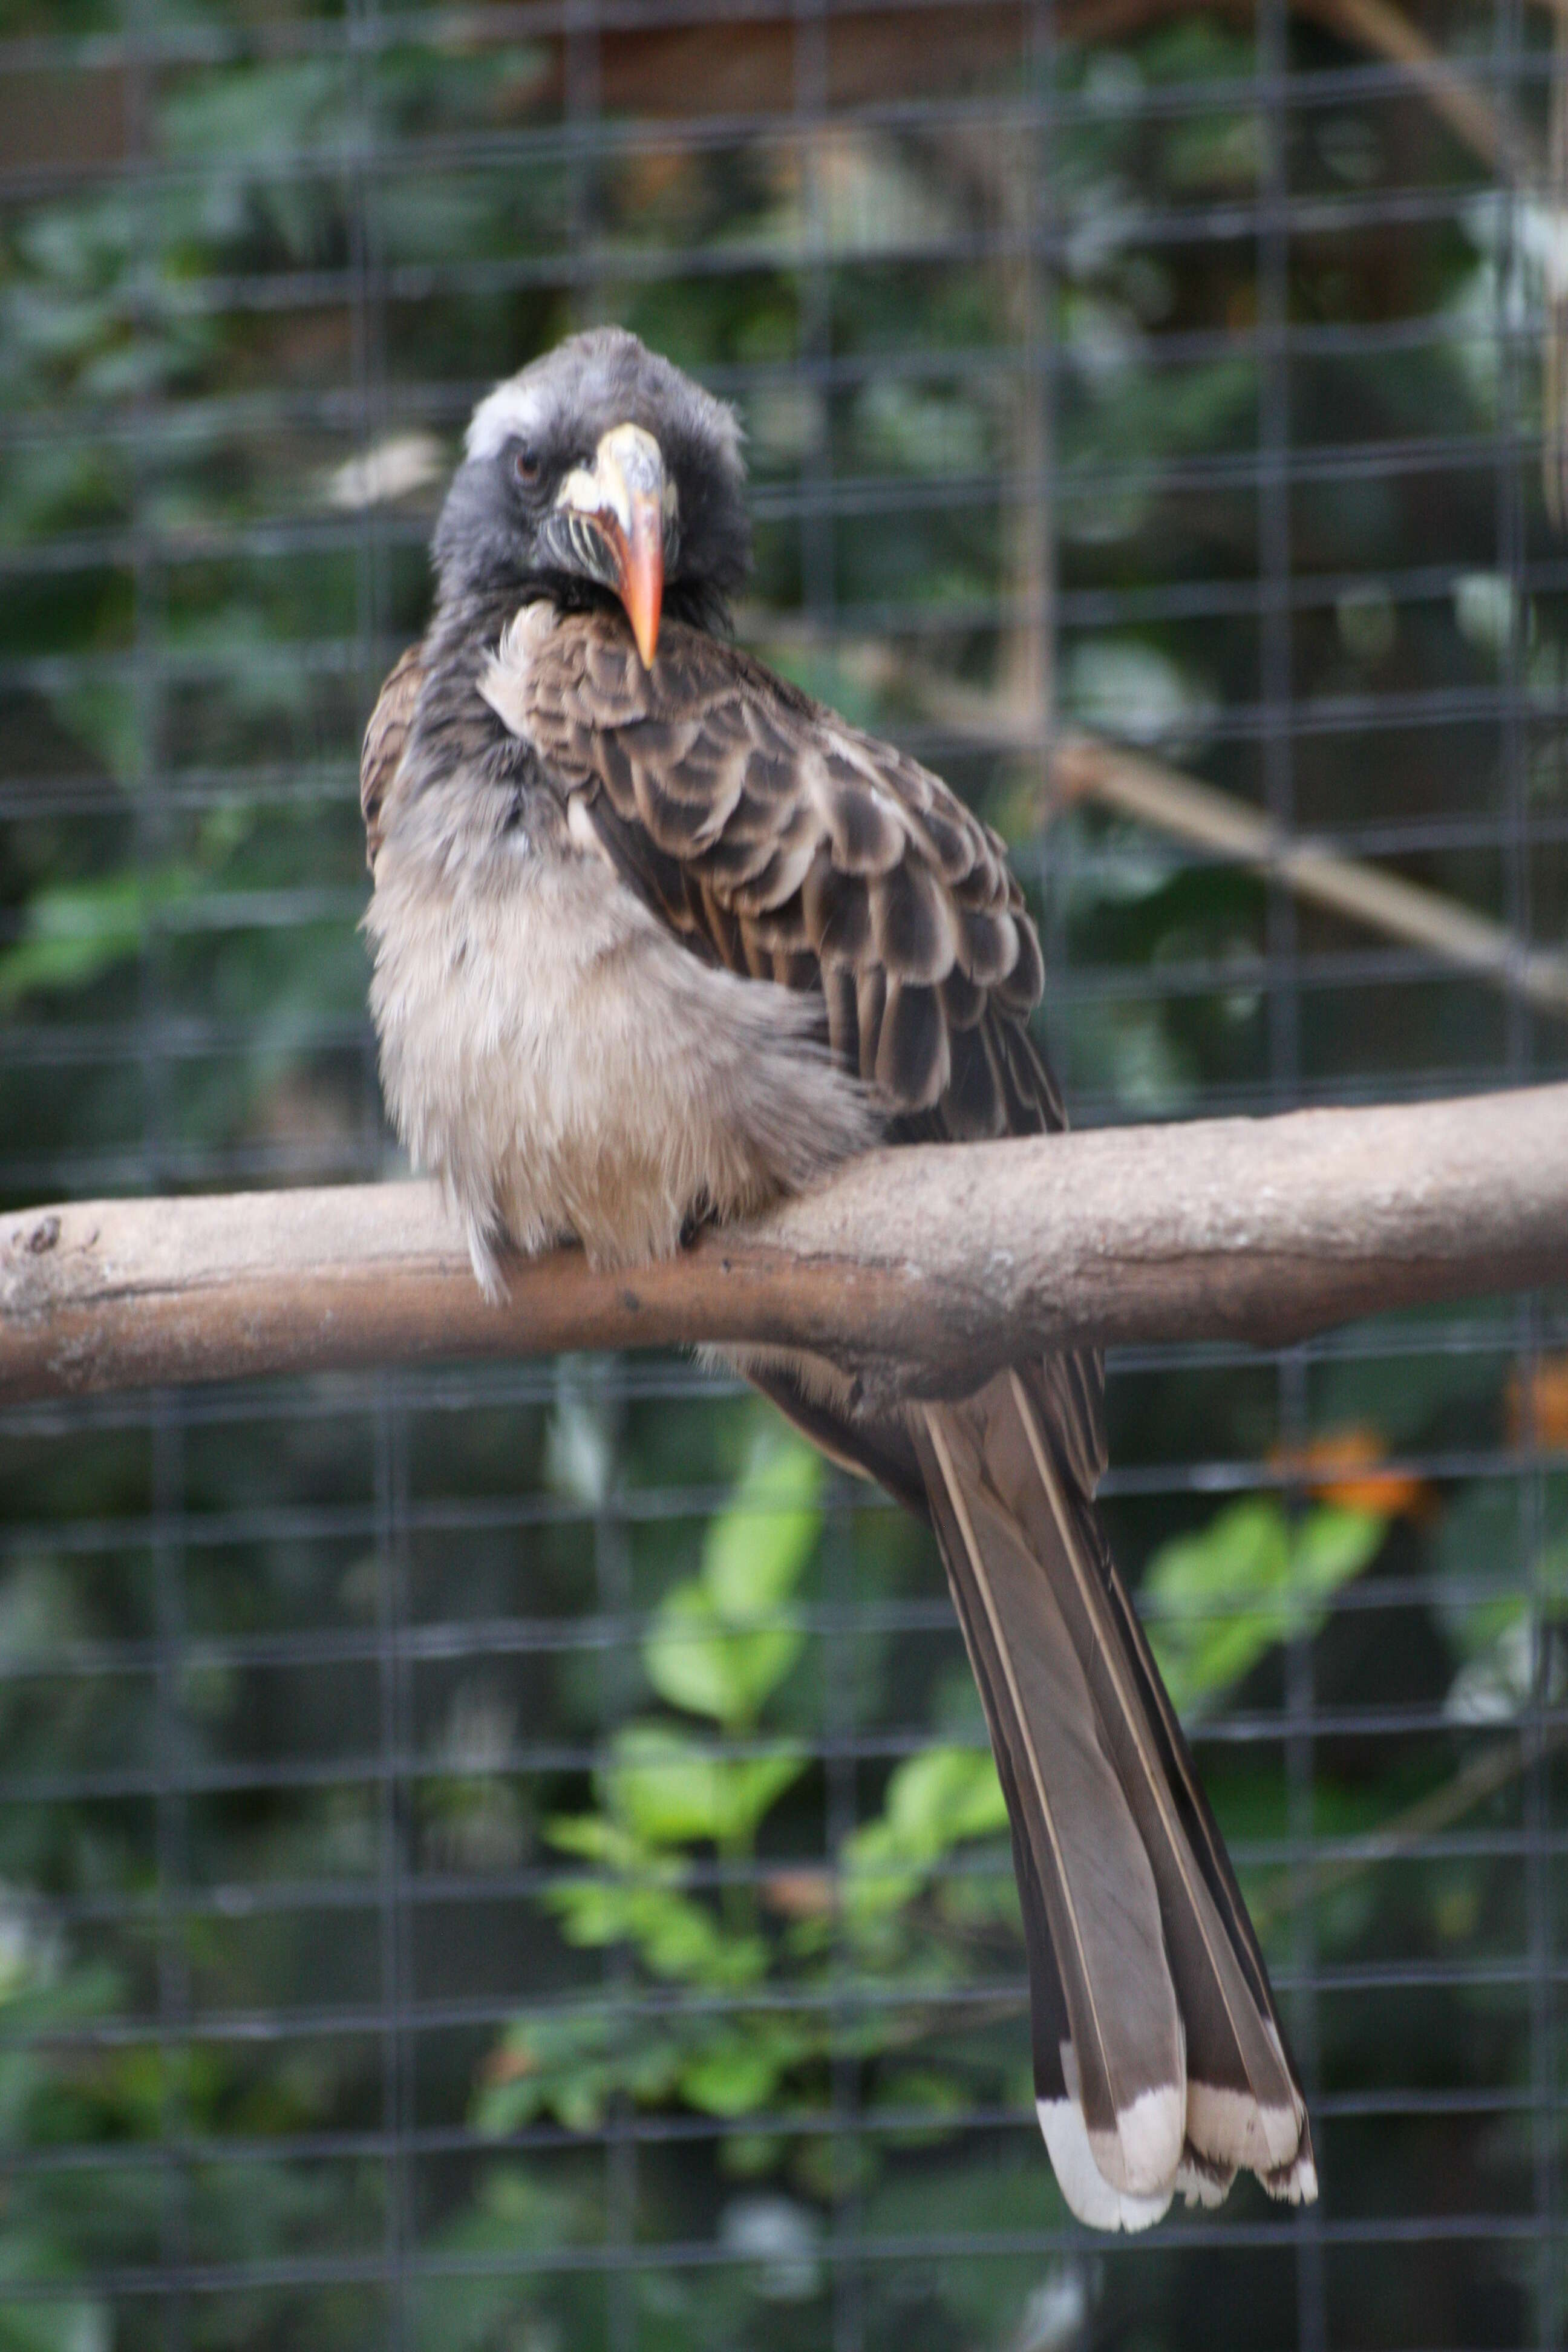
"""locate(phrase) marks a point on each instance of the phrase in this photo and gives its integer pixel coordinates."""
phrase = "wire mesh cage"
(504, 1859)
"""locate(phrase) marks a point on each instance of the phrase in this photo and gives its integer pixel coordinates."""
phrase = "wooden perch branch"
(950, 1258)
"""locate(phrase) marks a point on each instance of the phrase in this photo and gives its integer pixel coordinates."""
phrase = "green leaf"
(1249, 1580)
(1334, 1544)
(705, 1652)
(758, 1545)
(637, 1898)
(946, 1795)
(934, 1802)
(670, 1789)
(694, 1663)
(675, 1938)
(742, 2064)
(594, 1837)
(78, 930)
(570, 2064)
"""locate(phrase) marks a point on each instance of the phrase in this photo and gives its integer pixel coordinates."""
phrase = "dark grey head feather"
(554, 413)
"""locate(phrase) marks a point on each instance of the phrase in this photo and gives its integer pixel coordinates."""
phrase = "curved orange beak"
(623, 496)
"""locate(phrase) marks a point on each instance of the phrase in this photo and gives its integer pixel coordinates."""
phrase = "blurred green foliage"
(718, 1649)
(1253, 1578)
(704, 1935)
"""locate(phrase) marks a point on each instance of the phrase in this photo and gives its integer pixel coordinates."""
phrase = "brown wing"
(785, 844)
(790, 846)
(385, 738)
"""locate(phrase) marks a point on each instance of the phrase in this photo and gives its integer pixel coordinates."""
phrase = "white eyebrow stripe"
(508, 413)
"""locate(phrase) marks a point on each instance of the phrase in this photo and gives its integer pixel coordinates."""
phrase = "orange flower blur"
(1341, 1467)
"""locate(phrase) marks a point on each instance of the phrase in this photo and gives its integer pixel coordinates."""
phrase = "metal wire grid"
(205, 1582)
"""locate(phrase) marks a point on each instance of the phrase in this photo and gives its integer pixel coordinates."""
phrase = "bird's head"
(601, 473)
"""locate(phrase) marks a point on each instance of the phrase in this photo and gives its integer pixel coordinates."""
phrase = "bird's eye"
(525, 465)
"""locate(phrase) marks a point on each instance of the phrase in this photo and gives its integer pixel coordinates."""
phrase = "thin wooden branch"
(1084, 769)
(1491, 131)
(945, 1261)
(1483, 1776)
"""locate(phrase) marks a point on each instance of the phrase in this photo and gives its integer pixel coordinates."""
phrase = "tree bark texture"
(926, 1269)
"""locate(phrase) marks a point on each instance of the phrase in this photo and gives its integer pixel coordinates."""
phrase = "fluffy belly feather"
(566, 1067)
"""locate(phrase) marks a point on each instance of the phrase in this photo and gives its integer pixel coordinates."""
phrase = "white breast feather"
(565, 1067)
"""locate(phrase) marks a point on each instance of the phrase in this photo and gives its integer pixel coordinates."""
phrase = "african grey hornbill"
(656, 938)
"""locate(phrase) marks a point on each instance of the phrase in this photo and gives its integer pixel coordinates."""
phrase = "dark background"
(504, 1860)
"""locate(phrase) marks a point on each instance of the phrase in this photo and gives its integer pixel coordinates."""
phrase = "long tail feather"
(1296, 2181)
(1173, 2072)
(1058, 2101)
(1123, 2086)
(1243, 2108)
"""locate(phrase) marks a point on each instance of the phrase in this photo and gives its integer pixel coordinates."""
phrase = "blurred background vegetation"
(505, 1859)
